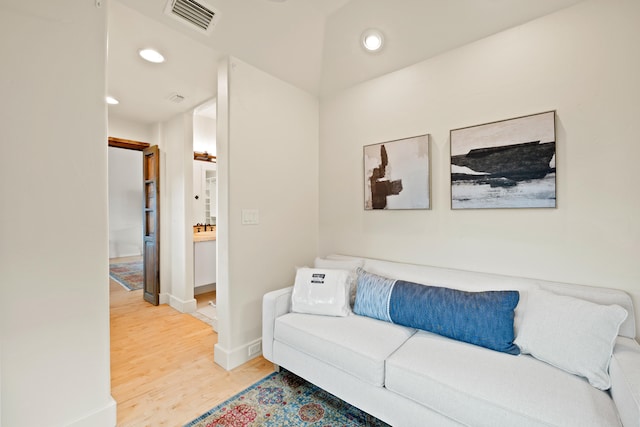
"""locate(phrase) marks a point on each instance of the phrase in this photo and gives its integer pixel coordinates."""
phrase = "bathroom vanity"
(204, 258)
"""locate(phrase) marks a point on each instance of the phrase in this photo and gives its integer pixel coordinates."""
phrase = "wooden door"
(151, 224)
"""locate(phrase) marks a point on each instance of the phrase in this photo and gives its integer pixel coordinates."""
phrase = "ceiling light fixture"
(151, 55)
(112, 101)
(372, 40)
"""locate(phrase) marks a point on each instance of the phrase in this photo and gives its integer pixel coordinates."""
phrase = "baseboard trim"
(164, 298)
(182, 306)
(103, 417)
(204, 289)
(236, 357)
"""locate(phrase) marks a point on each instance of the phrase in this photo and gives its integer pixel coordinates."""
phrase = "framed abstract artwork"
(397, 174)
(505, 164)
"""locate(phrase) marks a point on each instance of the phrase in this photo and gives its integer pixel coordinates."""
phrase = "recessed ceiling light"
(151, 55)
(112, 101)
(372, 40)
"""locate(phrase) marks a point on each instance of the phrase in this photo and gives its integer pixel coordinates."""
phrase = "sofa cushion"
(481, 318)
(475, 281)
(354, 344)
(479, 387)
(573, 334)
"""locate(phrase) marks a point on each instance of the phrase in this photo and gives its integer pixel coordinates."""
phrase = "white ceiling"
(313, 44)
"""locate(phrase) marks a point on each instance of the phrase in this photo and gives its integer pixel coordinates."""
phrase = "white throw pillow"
(343, 264)
(321, 291)
(572, 334)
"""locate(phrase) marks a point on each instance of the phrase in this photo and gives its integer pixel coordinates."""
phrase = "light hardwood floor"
(162, 368)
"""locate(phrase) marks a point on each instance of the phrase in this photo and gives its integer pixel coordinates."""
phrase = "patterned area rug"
(128, 274)
(284, 399)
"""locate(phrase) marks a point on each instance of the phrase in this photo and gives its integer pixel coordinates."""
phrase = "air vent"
(202, 17)
(176, 97)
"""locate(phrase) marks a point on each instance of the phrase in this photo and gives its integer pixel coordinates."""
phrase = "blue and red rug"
(283, 399)
(128, 274)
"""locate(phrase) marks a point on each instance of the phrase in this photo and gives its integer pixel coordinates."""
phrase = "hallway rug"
(284, 399)
(128, 274)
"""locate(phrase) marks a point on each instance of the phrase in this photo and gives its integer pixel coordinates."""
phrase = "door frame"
(153, 295)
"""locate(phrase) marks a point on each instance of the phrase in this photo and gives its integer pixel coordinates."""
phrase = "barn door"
(151, 224)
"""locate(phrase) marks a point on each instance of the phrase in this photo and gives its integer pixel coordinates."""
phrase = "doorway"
(205, 211)
(125, 199)
(125, 213)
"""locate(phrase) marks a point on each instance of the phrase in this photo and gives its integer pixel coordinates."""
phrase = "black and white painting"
(505, 164)
(396, 174)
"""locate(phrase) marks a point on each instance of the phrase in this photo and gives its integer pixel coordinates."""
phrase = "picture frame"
(505, 164)
(397, 174)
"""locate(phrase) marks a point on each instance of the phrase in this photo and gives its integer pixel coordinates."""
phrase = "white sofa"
(409, 377)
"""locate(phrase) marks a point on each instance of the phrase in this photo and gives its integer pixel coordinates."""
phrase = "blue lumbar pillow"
(480, 318)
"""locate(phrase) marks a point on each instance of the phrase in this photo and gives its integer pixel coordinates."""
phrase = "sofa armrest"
(274, 305)
(625, 380)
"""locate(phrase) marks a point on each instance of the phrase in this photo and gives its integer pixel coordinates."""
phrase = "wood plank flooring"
(162, 368)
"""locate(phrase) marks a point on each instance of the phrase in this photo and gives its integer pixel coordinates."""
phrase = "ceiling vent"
(176, 98)
(200, 16)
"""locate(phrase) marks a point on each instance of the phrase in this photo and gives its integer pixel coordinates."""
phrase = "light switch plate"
(250, 217)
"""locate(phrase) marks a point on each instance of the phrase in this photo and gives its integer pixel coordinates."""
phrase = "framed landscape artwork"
(396, 174)
(505, 164)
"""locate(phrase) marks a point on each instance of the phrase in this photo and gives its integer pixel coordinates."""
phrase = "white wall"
(54, 292)
(125, 202)
(582, 62)
(176, 212)
(129, 129)
(204, 134)
(267, 160)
